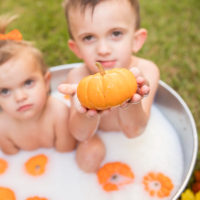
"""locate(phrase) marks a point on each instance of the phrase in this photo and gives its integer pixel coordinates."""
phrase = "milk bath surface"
(157, 150)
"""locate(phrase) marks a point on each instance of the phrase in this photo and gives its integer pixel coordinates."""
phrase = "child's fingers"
(143, 90)
(91, 113)
(139, 77)
(136, 98)
(135, 71)
(78, 105)
(68, 88)
(140, 80)
(105, 112)
(125, 104)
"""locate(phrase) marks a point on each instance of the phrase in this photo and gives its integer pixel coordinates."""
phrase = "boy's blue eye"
(88, 38)
(4, 92)
(116, 33)
(28, 82)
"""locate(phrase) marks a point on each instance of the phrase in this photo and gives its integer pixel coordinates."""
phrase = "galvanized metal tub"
(169, 102)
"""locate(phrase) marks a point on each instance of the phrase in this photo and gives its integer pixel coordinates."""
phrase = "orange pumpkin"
(107, 88)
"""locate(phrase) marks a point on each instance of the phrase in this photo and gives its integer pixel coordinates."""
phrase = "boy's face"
(23, 87)
(105, 36)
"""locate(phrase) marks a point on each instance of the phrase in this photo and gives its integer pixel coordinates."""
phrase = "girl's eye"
(28, 82)
(4, 92)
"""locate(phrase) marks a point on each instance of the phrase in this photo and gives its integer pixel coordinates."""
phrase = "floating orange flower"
(36, 198)
(157, 184)
(113, 175)
(36, 165)
(3, 165)
(196, 184)
(196, 187)
(67, 96)
(197, 175)
(6, 194)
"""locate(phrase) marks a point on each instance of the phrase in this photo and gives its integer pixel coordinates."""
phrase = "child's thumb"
(69, 89)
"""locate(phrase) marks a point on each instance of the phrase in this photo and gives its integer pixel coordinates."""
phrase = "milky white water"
(157, 150)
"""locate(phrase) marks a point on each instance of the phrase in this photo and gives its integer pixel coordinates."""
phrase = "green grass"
(173, 42)
(174, 45)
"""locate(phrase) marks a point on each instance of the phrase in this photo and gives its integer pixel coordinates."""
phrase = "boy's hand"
(67, 89)
(71, 89)
(143, 87)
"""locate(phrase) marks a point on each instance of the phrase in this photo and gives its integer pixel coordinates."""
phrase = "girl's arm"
(7, 146)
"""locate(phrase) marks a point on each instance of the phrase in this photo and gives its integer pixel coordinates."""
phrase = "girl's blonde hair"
(12, 48)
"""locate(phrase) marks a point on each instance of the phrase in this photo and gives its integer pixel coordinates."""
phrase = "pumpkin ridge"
(104, 89)
(126, 79)
(120, 82)
(132, 85)
(86, 90)
(102, 93)
(96, 81)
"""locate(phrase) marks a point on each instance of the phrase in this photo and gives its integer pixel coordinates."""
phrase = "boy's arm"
(134, 117)
(82, 124)
(64, 141)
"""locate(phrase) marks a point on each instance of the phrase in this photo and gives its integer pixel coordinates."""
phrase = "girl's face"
(23, 87)
(105, 35)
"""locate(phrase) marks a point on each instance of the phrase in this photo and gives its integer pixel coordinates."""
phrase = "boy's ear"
(74, 48)
(139, 39)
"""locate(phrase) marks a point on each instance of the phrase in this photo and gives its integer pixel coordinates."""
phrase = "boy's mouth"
(108, 63)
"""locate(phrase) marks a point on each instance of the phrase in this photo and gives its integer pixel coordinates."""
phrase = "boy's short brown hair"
(83, 4)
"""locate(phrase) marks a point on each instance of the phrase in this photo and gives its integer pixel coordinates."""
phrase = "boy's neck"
(134, 61)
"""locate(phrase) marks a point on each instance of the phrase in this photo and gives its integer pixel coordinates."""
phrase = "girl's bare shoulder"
(5, 123)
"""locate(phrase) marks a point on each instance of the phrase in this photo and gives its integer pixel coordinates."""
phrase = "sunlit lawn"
(173, 42)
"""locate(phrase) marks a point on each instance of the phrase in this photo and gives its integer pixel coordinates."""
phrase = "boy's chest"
(109, 122)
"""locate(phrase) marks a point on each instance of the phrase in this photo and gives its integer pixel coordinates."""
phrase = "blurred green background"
(173, 40)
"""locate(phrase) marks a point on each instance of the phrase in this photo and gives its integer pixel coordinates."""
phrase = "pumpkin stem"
(101, 69)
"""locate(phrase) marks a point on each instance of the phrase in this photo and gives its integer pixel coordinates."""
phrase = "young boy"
(108, 32)
(29, 118)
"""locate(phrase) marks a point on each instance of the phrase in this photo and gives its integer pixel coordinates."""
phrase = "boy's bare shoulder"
(147, 66)
(76, 74)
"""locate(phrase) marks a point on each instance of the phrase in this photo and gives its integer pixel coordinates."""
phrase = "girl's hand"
(71, 89)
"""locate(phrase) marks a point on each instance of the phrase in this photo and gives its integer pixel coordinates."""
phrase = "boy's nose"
(20, 95)
(103, 48)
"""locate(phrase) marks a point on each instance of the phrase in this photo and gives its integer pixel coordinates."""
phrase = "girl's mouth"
(24, 108)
